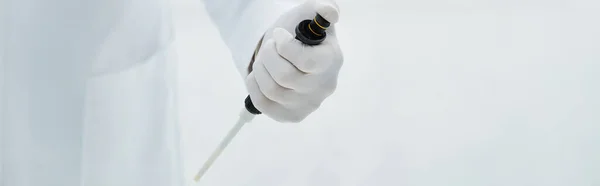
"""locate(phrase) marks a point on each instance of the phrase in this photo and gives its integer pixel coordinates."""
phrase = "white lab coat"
(87, 93)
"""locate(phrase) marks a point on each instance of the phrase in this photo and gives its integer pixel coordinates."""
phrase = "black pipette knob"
(310, 32)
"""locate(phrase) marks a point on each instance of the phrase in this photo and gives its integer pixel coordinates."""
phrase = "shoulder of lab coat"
(241, 24)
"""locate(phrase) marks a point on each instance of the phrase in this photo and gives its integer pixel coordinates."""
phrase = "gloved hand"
(289, 80)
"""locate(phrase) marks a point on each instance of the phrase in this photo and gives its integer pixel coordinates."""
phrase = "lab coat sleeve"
(242, 23)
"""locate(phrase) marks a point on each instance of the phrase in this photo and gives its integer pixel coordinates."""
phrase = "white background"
(432, 92)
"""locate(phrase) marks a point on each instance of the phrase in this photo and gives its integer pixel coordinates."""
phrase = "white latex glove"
(290, 80)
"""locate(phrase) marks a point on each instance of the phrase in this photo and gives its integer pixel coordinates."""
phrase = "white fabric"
(87, 93)
(242, 23)
(290, 80)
